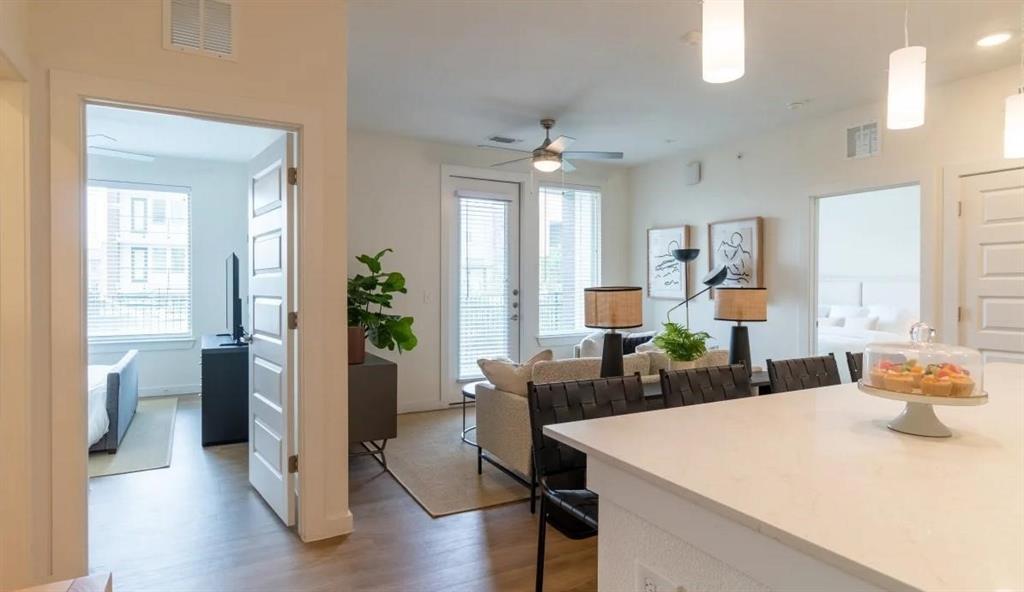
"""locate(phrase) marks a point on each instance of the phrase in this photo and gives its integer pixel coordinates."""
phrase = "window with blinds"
(139, 268)
(570, 256)
(484, 276)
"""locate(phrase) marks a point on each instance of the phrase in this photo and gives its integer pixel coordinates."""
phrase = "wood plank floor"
(198, 526)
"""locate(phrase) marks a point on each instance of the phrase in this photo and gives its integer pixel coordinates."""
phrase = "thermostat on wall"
(693, 172)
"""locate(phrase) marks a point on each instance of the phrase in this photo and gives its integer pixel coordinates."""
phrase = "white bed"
(99, 421)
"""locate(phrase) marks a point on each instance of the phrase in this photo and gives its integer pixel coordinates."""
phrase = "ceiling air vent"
(863, 141)
(200, 26)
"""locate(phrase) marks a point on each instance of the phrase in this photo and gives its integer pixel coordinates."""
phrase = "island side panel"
(695, 548)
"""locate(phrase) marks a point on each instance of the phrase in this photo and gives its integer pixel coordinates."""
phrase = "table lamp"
(613, 308)
(741, 305)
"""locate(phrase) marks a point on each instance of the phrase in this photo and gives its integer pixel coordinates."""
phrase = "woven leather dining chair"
(562, 470)
(855, 362)
(803, 373)
(704, 385)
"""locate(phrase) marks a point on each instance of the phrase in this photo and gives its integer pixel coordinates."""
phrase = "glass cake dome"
(921, 367)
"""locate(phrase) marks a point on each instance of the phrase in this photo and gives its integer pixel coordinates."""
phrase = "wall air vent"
(205, 27)
(863, 140)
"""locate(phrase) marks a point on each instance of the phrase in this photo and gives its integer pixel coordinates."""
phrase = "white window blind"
(484, 276)
(570, 256)
(139, 268)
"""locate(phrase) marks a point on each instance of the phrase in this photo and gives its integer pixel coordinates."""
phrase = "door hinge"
(959, 209)
(959, 314)
(293, 320)
(293, 463)
(293, 176)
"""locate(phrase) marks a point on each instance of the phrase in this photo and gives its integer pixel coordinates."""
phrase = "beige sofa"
(503, 419)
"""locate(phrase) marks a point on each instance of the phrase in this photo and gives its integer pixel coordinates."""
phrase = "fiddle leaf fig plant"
(681, 344)
(369, 296)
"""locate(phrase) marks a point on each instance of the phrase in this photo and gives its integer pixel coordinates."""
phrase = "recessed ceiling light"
(994, 39)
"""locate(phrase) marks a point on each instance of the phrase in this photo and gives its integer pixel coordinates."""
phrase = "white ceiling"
(617, 75)
(162, 134)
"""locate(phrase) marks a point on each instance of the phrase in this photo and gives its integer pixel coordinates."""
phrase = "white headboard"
(900, 293)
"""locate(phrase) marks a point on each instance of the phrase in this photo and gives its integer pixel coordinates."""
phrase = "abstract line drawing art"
(666, 277)
(737, 245)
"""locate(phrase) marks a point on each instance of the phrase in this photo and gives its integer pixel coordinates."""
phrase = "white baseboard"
(164, 391)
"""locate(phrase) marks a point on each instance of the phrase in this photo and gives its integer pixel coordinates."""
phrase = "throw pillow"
(831, 321)
(511, 377)
(862, 323)
(592, 345)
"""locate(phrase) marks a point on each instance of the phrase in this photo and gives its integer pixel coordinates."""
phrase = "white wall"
(219, 227)
(884, 225)
(394, 201)
(774, 174)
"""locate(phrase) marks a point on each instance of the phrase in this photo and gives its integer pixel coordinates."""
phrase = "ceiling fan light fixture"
(723, 46)
(547, 163)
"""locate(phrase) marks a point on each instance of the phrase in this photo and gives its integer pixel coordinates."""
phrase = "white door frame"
(322, 409)
(951, 245)
(448, 241)
(20, 560)
(811, 318)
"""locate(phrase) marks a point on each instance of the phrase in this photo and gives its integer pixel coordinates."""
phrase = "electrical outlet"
(648, 580)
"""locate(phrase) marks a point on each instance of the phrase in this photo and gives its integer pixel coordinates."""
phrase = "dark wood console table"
(373, 405)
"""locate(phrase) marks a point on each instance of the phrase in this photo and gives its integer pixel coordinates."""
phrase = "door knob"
(514, 317)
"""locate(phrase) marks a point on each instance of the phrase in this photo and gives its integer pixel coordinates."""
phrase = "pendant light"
(1013, 130)
(722, 41)
(906, 82)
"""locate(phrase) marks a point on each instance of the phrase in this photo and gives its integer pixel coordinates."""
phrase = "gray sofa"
(122, 400)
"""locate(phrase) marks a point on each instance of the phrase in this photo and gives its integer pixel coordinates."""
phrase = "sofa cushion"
(509, 376)
(585, 368)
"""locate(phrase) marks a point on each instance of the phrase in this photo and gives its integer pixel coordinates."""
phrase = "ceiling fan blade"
(560, 144)
(497, 164)
(504, 148)
(568, 166)
(587, 155)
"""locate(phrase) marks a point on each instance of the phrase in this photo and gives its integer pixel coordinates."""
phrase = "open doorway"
(189, 275)
(868, 269)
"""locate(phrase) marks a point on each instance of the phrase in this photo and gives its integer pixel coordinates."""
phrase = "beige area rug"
(432, 463)
(146, 444)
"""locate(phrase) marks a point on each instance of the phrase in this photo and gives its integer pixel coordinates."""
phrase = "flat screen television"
(233, 300)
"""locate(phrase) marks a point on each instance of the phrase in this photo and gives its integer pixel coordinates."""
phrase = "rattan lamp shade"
(741, 304)
(613, 307)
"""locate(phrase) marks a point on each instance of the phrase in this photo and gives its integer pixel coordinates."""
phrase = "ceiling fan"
(551, 155)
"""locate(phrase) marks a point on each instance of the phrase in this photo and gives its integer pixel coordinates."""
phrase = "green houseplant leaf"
(681, 344)
(369, 296)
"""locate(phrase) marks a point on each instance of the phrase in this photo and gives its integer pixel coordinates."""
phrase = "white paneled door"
(992, 291)
(271, 401)
(485, 285)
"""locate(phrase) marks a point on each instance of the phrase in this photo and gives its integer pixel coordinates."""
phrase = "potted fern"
(369, 296)
(682, 346)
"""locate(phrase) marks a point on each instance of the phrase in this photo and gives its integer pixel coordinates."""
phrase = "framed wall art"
(666, 277)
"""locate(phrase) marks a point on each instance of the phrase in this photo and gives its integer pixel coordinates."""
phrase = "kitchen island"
(809, 491)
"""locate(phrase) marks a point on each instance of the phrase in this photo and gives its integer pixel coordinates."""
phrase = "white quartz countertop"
(819, 471)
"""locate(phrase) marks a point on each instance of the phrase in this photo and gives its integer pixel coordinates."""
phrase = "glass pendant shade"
(723, 46)
(547, 163)
(906, 87)
(1013, 132)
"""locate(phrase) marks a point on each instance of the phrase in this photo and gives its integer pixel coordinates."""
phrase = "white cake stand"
(918, 417)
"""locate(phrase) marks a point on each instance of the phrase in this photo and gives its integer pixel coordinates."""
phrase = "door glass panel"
(484, 283)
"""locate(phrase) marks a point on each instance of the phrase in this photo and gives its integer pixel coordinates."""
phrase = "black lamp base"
(611, 357)
(739, 347)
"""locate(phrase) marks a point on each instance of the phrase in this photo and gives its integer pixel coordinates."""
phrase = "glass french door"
(486, 270)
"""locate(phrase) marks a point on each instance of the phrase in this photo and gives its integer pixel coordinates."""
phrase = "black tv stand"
(225, 401)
